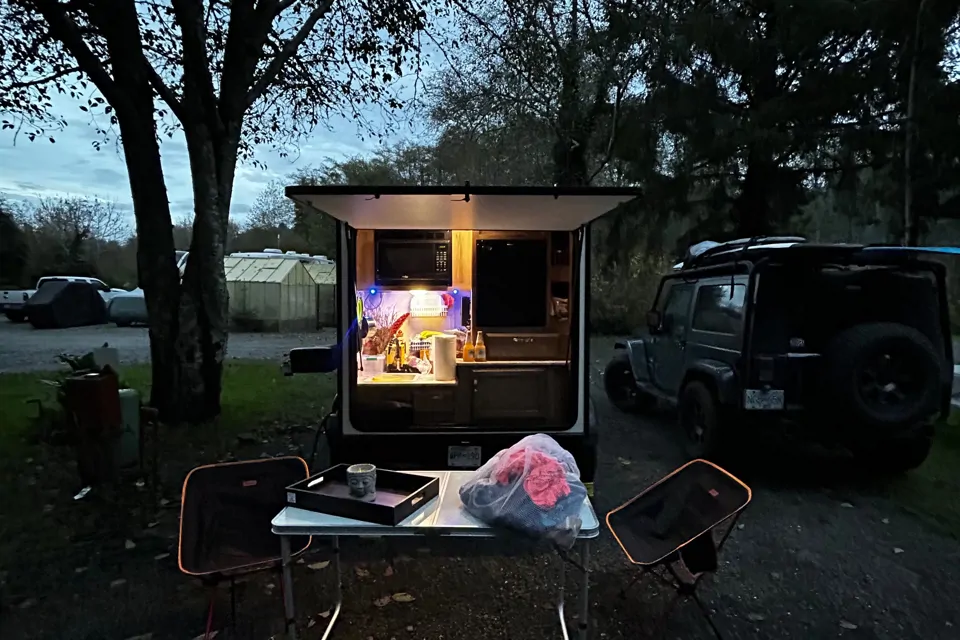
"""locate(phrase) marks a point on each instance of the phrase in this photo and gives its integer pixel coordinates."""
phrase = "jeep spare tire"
(883, 375)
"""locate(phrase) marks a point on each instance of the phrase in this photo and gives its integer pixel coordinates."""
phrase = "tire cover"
(848, 358)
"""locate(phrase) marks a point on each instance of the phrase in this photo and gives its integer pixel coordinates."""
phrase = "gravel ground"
(23, 348)
(816, 556)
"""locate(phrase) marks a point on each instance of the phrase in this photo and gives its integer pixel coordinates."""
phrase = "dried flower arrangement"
(388, 323)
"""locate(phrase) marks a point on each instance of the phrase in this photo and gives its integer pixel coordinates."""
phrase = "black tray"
(398, 495)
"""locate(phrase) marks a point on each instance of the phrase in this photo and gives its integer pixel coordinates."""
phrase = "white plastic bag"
(533, 487)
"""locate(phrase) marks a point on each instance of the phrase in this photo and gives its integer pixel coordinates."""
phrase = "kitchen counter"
(512, 363)
(393, 379)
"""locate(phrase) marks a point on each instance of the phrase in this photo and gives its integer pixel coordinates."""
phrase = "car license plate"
(463, 457)
(763, 399)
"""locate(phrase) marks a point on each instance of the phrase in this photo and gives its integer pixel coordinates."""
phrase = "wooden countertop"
(511, 363)
(386, 380)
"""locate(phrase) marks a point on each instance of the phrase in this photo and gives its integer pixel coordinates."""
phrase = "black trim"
(464, 190)
(429, 450)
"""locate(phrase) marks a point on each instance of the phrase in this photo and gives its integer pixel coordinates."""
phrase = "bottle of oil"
(468, 351)
(480, 349)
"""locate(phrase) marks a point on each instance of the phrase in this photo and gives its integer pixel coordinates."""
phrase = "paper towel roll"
(444, 353)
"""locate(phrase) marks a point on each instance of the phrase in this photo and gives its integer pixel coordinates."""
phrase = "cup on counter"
(362, 481)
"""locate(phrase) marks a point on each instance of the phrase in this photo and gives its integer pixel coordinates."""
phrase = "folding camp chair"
(225, 515)
(668, 529)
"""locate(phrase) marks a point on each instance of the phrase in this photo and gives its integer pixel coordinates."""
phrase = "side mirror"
(654, 322)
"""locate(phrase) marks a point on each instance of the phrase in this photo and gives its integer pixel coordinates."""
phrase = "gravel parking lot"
(23, 348)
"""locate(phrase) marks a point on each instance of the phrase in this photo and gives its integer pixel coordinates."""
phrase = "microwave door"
(413, 263)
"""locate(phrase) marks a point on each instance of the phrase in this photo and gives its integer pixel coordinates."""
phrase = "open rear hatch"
(465, 207)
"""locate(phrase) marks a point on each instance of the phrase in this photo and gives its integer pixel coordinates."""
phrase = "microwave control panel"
(443, 258)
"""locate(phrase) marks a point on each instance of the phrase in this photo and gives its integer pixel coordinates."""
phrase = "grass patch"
(255, 394)
(931, 491)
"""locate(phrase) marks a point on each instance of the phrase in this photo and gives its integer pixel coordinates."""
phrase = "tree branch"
(45, 79)
(166, 93)
(197, 78)
(286, 52)
(64, 29)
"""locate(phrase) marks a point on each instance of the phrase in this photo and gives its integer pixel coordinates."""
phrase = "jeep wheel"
(700, 420)
(895, 455)
(883, 376)
(16, 316)
(621, 386)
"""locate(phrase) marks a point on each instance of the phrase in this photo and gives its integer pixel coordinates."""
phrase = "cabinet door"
(509, 393)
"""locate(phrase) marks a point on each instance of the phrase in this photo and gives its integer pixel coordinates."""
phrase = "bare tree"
(232, 75)
(71, 220)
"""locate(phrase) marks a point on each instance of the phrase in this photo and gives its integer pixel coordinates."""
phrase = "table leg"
(290, 623)
(583, 622)
(339, 591)
(561, 596)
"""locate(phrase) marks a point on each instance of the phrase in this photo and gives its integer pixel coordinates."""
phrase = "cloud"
(73, 167)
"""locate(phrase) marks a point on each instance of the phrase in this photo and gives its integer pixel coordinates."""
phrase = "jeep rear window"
(719, 308)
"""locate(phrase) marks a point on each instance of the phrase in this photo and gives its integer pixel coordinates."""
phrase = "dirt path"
(809, 562)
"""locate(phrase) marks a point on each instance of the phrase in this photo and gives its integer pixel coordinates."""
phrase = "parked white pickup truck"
(12, 302)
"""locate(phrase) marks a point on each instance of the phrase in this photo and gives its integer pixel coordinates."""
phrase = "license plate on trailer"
(763, 399)
(463, 457)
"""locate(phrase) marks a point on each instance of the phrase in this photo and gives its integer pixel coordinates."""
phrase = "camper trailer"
(462, 316)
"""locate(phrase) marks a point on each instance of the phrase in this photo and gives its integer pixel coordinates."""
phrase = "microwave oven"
(413, 259)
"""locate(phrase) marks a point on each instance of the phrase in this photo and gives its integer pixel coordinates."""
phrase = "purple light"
(373, 291)
(456, 292)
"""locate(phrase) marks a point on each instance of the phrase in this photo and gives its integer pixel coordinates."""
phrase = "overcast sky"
(72, 167)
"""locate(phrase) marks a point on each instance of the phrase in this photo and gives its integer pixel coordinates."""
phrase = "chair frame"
(664, 568)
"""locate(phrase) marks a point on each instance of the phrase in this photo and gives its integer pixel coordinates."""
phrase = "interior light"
(373, 291)
(456, 292)
(417, 292)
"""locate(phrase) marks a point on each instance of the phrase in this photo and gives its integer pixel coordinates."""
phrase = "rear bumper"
(6, 307)
(427, 451)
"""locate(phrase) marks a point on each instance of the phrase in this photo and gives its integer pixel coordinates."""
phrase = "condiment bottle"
(468, 350)
(480, 350)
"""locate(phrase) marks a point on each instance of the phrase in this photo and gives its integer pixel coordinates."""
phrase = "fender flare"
(723, 377)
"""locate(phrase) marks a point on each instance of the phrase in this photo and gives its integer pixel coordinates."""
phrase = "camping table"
(444, 516)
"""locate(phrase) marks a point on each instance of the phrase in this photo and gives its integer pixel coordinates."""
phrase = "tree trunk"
(204, 302)
(753, 206)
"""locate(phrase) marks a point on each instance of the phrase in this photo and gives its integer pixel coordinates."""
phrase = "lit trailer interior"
(510, 262)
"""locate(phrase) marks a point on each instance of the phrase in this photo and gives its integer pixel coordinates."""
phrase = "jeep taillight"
(764, 366)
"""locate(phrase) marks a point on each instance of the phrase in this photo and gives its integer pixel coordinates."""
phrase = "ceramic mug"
(362, 481)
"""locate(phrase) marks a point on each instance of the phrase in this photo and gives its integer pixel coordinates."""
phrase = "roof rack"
(741, 245)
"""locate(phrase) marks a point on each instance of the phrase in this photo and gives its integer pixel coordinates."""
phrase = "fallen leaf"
(756, 617)
(161, 556)
(129, 544)
(119, 582)
(846, 505)
(324, 614)
(847, 625)
(311, 623)
(270, 586)
(151, 525)
(775, 575)
(403, 597)
(210, 636)
(740, 526)
(164, 502)
(388, 571)
(361, 572)
(897, 550)
(47, 508)
(382, 602)
(142, 636)
(409, 627)
(316, 566)
(624, 462)
(29, 602)
(300, 561)
(885, 521)
(80, 569)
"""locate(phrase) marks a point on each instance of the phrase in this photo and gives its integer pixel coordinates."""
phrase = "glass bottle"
(480, 350)
(468, 350)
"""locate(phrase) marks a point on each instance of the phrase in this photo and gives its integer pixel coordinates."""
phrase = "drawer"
(523, 346)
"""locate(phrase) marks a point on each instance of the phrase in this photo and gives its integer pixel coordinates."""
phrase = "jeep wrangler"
(847, 344)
